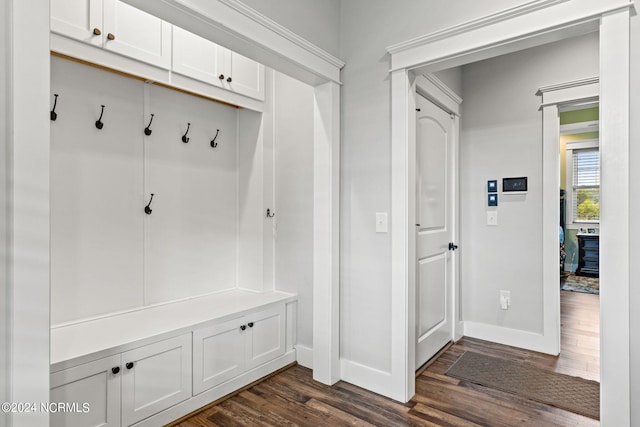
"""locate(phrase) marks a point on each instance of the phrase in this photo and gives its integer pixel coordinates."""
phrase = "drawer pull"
(115, 370)
(250, 324)
(129, 365)
(221, 76)
(111, 36)
(96, 31)
(229, 79)
(243, 327)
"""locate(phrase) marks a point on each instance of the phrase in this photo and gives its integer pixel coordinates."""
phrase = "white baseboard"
(204, 398)
(366, 377)
(507, 336)
(304, 355)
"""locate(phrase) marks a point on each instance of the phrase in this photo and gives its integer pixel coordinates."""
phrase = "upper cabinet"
(114, 26)
(201, 59)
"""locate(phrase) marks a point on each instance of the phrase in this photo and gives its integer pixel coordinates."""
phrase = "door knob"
(243, 327)
(115, 369)
(129, 365)
(452, 247)
(96, 31)
(111, 36)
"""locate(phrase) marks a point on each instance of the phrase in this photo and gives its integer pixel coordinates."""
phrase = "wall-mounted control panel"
(492, 186)
(492, 199)
(512, 185)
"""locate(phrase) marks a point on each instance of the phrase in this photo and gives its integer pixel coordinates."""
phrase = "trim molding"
(568, 85)
(508, 336)
(473, 24)
(270, 24)
(439, 84)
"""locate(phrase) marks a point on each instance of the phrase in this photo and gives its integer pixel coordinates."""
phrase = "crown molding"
(278, 29)
(473, 24)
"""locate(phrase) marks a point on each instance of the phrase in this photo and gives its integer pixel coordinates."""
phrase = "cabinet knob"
(250, 324)
(243, 327)
(129, 365)
(96, 31)
(229, 79)
(111, 36)
(115, 369)
(221, 76)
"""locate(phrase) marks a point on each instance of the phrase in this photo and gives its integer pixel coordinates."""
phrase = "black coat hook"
(99, 123)
(184, 137)
(270, 214)
(147, 209)
(54, 115)
(214, 144)
(147, 130)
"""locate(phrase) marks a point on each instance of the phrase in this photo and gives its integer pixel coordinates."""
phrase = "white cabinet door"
(93, 384)
(266, 339)
(197, 57)
(218, 354)
(137, 34)
(155, 377)
(78, 19)
(243, 75)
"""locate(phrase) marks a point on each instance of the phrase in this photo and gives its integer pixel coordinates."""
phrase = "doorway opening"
(580, 239)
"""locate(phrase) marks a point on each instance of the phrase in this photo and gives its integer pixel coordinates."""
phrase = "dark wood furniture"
(588, 255)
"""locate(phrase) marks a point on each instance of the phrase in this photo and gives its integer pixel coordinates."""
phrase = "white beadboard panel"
(192, 230)
(96, 193)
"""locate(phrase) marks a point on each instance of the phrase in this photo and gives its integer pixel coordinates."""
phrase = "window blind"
(586, 185)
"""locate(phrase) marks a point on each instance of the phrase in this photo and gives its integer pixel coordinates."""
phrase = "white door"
(266, 340)
(137, 34)
(155, 377)
(434, 228)
(94, 389)
(78, 19)
(244, 75)
(218, 354)
(197, 57)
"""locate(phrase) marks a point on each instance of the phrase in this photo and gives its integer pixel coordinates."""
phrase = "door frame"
(531, 24)
(434, 90)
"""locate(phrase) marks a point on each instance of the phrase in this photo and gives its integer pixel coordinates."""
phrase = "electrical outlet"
(505, 299)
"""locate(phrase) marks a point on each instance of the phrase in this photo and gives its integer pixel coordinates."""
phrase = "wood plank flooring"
(292, 398)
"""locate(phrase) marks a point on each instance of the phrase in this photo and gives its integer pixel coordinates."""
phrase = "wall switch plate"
(382, 222)
(492, 218)
(492, 199)
(505, 299)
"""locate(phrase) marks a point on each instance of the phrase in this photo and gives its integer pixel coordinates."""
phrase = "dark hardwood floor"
(292, 398)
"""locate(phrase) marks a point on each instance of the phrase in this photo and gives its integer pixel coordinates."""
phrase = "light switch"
(382, 223)
(492, 218)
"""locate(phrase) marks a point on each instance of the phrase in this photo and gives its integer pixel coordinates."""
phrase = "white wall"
(107, 255)
(316, 21)
(634, 232)
(366, 29)
(5, 341)
(294, 197)
(501, 137)
(27, 54)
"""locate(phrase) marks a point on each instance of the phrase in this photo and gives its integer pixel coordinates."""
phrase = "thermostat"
(492, 200)
(514, 184)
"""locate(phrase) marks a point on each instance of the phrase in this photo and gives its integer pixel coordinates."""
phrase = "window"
(583, 175)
